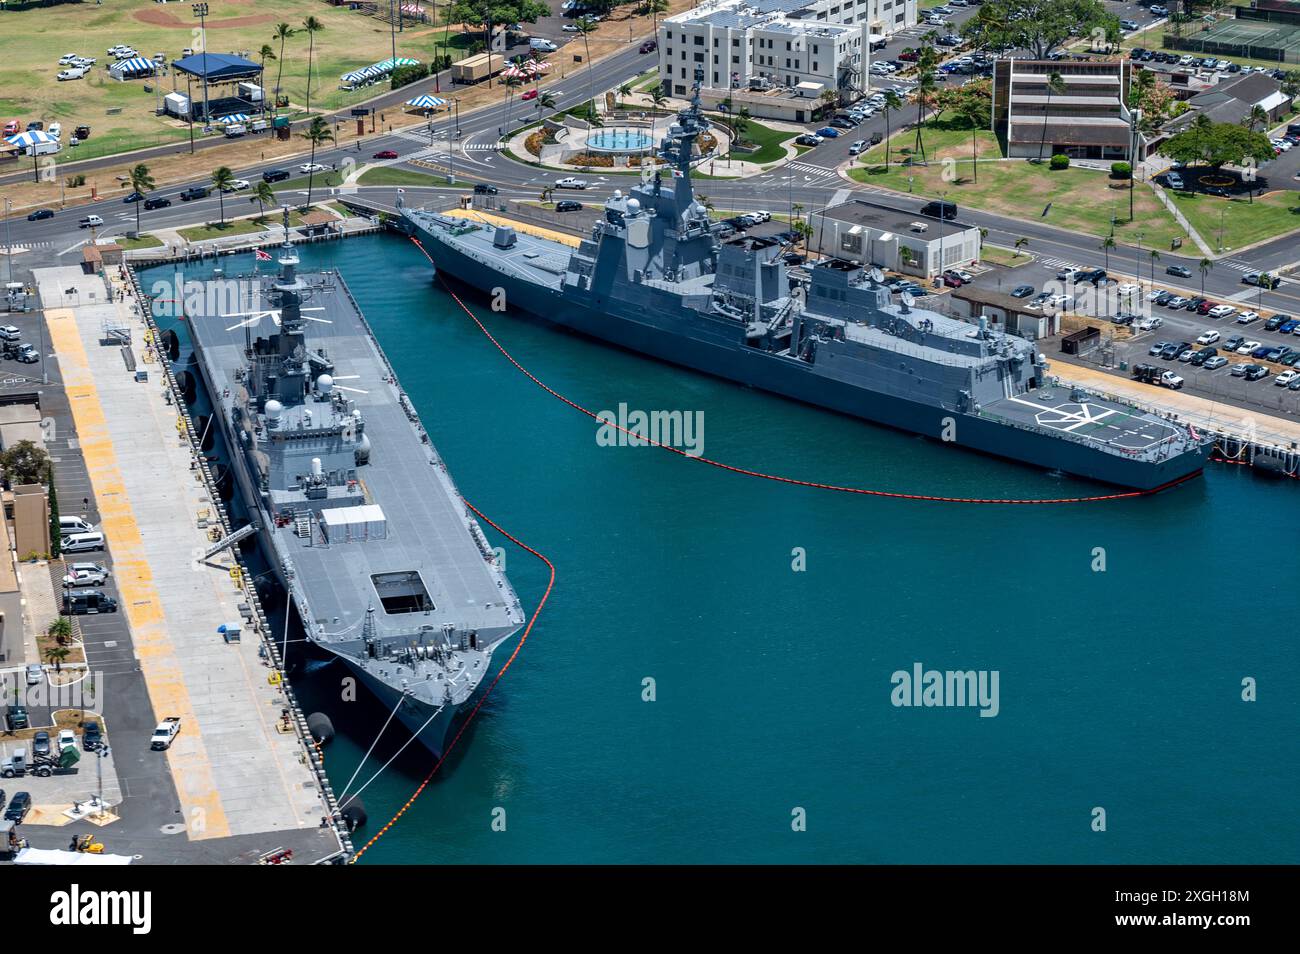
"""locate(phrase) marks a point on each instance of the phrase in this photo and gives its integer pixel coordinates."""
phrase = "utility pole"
(201, 11)
(9, 242)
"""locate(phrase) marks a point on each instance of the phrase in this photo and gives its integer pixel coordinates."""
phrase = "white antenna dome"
(274, 409)
(324, 384)
(633, 206)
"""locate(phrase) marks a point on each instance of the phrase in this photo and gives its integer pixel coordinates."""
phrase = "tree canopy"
(1217, 144)
(24, 463)
(1039, 26)
(482, 12)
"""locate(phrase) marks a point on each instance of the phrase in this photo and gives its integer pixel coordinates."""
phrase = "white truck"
(165, 733)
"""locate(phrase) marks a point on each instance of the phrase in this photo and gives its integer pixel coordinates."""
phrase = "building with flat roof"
(1088, 118)
(1012, 315)
(908, 242)
(804, 47)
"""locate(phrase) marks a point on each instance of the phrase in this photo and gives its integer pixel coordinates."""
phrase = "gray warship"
(356, 512)
(654, 277)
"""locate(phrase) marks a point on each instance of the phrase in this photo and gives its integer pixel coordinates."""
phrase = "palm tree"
(1021, 243)
(141, 182)
(654, 8)
(1257, 116)
(267, 52)
(984, 234)
(586, 26)
(312, 26)
(545, 101)
(1055, 84)
(318, 132)
(547, 195)
(973, 112)
(1107, 244)
(60, 630)
(925, 86)
(1204, 265)
(625, 91)
(282, 32)
(892, 102)
(222, 177)
(56, 655)
(657, 99)
(705, 201)
(263, 195)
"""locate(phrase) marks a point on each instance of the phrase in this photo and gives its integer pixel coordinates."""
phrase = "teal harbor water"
(1119, 689)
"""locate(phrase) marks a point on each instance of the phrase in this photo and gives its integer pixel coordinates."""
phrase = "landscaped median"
(1228, 224)
(1074, 199)
(231, 228)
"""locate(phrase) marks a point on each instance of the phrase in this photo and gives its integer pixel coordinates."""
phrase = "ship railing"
(1160, 449)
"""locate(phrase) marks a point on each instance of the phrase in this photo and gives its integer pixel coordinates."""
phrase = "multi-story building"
(803, 47)
(1085, 117)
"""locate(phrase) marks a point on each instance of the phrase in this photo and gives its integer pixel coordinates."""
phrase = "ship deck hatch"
(402, 592)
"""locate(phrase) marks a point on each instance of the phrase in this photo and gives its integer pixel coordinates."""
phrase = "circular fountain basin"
(619, 140)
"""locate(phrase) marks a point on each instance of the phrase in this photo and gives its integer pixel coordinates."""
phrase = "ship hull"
(719, 350)
(413, 714)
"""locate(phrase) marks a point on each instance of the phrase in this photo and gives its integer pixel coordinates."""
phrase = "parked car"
(35, 674)
(1208, 338)
(808, 139)
(92, 737)
(1256, 372)
(85, 574)
(1246, 347)
(1215, 362)
(41, 744)
(19, 806)
(1176, 302)
(1127, 289)
(1246, 317)
(1022, 291)
(1221, 311)
(828, 132)
(27, 354)
(67, 739)
(857, 147)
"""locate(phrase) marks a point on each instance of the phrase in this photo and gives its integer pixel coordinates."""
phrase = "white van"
(81, 542)
(69, 525)
(540, 44)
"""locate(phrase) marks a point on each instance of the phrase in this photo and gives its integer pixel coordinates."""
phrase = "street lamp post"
(9, 242)
(201, 11)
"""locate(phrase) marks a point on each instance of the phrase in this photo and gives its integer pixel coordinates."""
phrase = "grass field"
(388, 175)
(942, 137)
(212, 230)
(1242, 223)
(1004, 256)
(770, 142)
(1078, 200)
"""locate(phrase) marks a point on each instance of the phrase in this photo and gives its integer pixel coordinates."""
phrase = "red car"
(1205, 306)
(909, 56)
(385, 154)
(529, 94)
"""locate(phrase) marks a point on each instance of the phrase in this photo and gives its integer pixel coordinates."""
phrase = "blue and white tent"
(23, 140)
(136, 66)
(426, 102)
(232, 118)
(390, 64)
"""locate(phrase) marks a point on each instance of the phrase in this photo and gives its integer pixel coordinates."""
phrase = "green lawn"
(143, 241)
(1004, 256)
(319, 180)
(1078, 200)
(389, 175)
(770, 142)
(1243, 223)
(942, 137)
(212, 230)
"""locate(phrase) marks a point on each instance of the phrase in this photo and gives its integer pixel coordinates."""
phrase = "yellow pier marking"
(535, 230)
(189, 764)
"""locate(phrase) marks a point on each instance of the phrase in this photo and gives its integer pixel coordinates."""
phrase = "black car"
(482, 188)
(92, 737)
(568, 205)
(1161, 298)
(1276, 322)
(1203, 355)
(947, 210)
(194, 192)
(17, 717)
(1194, 303)
(2, 798)
(275, 175)
(840, 123)
(133, 197)
(41, 744)
(1182, 271)
(1095, 276)
(808, 139)
(40, 214)
(792, 258)
(19, 807)
(157, 203)
(1022, 291)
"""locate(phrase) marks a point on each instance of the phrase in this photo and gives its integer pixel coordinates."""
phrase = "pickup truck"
(194, 192)
(165, 733)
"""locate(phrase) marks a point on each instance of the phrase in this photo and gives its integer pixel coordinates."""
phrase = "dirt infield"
(165, 18)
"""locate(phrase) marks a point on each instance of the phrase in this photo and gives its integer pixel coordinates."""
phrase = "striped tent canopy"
(516, 72)
(232, 118)
(137, 64)
(413, 9)
(23, 140)
(390, 64)
(426, 102)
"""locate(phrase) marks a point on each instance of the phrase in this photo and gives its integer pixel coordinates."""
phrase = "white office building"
(799, 48)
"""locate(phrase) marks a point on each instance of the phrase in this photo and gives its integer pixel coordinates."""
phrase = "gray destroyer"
(356, 512)
(654, 277)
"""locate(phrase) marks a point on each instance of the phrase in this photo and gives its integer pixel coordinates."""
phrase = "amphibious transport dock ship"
(654, 277)
(356, 512)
